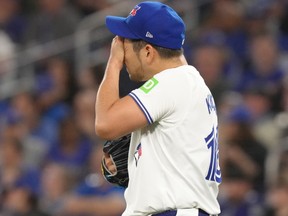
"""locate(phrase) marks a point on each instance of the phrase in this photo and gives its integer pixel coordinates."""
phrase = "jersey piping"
(142, 107)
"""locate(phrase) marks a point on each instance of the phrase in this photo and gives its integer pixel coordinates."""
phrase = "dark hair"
(166, 53)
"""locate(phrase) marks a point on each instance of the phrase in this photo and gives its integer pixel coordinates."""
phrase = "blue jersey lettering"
(210, 103)
(214, 172)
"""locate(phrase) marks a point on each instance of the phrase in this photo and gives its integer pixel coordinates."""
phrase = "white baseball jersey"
(173, 162)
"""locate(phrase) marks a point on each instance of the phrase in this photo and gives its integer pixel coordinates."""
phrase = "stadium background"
(52, 59)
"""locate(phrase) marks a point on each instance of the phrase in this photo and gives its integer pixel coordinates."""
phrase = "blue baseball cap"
(153, 22)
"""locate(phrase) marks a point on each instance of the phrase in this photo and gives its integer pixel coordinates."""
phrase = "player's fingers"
(109, 163)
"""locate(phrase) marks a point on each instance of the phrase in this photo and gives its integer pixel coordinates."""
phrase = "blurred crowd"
(50, 156)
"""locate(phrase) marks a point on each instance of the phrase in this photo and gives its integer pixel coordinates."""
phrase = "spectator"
(55, 89)
(259, 102)
(264, 70)
(277, 193)
(72, 150)
(13, 171)
(256, 21)
(238, 198)
(20, 202)
(12, 21)
(85, 114)
(54, 19)
(226, 20)
(90, 77)
(95, 196)
(210, 61)
(241, 153)
(277, 198)
(56, 185)
(29, 125)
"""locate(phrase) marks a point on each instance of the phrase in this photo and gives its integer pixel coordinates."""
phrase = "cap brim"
(118, 26)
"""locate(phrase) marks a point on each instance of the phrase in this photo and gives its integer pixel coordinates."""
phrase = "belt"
(174, 212)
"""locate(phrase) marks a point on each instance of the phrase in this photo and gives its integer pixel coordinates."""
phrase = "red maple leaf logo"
(134, 10)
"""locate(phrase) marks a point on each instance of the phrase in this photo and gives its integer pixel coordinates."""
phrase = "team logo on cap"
(134, 10)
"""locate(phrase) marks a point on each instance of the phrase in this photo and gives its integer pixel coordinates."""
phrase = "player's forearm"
(107, 95)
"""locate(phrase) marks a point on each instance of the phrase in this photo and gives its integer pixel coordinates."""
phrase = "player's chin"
(135, 78)
(132, 76)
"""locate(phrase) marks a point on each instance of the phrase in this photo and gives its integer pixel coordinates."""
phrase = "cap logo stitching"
(134, 10)
(149, 35)
(183, 42)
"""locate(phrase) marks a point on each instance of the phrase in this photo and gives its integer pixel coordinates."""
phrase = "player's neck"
(165, 64)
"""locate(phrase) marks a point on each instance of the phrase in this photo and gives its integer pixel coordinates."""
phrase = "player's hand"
(117, 52)
(109, 163)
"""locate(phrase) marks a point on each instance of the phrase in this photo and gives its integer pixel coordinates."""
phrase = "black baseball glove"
(118, 151)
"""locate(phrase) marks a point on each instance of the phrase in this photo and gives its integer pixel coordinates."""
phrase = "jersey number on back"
(214, 172)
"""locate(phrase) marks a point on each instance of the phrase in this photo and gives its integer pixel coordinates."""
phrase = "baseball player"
(173, 159)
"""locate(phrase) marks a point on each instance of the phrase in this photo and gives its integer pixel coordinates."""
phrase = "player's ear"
(149, 53)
